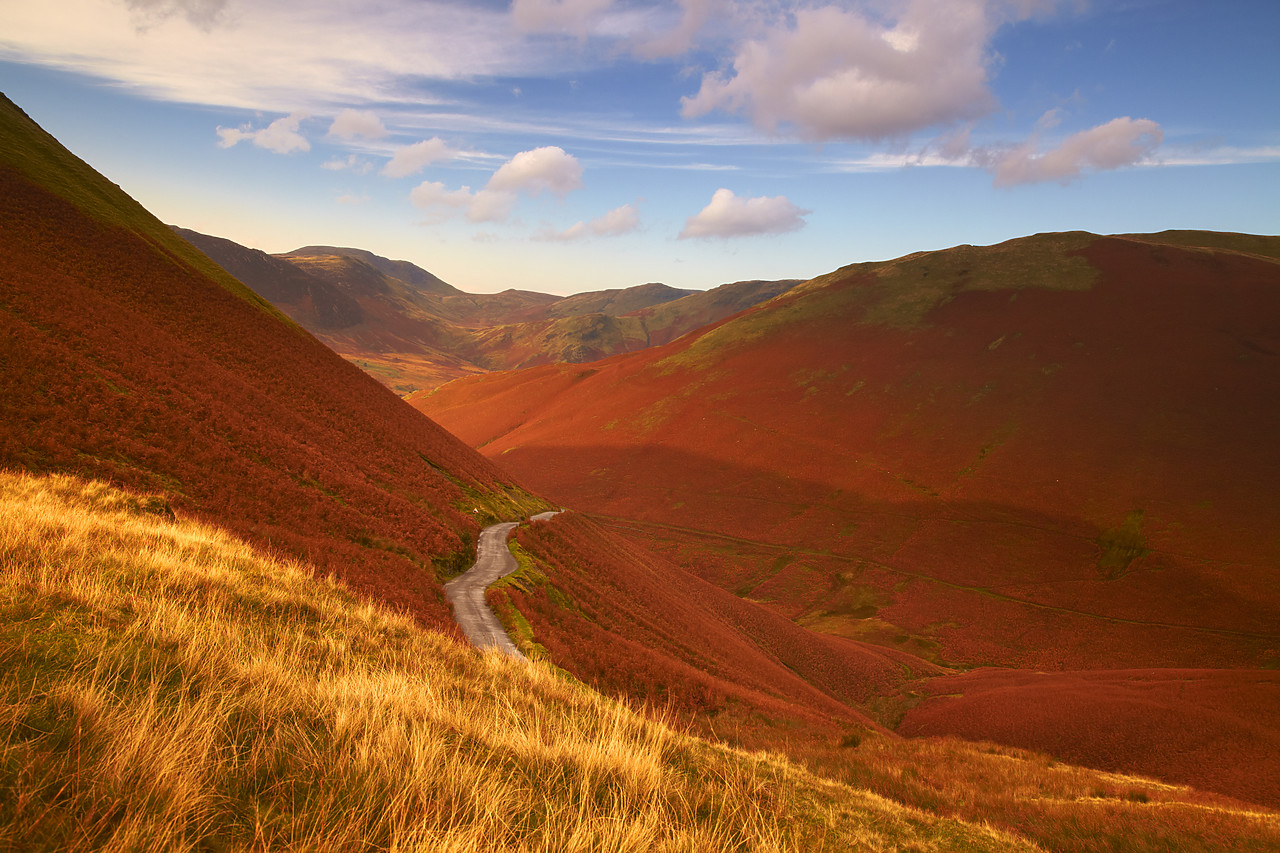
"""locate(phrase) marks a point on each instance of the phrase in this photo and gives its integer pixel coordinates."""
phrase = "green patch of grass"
(28, 149)
(1120, 546)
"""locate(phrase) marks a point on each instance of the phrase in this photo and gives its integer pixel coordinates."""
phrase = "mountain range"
(414, 332)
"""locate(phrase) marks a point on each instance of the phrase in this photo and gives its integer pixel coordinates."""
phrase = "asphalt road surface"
(466, 592)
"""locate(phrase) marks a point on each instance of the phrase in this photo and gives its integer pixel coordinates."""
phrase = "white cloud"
(835, 73)
(491, 206)
(281, 136)
(577, 17)
(353, 162)
(730, 216)
(482, 206)
(416, 157)
(352, 124)
(615, 223)
(431, 194)
(530, 172)
(353, 199)
(1118, 143)
(547, 168)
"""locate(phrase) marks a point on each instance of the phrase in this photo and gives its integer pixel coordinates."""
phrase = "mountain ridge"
(412, 331)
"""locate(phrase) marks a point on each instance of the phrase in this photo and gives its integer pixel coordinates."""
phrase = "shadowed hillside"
(128, 356)
(1055, 453)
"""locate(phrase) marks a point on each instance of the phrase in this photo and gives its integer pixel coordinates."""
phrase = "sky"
(571, 145)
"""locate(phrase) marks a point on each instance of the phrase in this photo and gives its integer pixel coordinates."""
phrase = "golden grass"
(165, 687)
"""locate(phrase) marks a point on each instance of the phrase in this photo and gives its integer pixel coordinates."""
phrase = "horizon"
(574, 145)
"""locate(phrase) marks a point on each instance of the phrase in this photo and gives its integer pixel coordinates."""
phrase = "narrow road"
(466, 592)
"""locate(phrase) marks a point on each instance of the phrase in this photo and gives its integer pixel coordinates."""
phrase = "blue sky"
(569, 145)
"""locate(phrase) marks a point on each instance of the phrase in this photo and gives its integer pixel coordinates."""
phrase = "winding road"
(466, 592)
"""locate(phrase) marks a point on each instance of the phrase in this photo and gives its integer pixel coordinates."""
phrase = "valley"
(1006, 459)
(414, 332)
(971, 549)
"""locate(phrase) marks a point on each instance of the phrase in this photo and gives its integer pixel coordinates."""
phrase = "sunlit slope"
(166, 687)
(127, 356)
(1070, 434)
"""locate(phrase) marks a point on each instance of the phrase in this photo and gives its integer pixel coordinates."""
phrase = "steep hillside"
(1080, 426)
(1054, 454)
(414, 332)
(639, 627)
(167, 686)
(310, 301)
(128, 356)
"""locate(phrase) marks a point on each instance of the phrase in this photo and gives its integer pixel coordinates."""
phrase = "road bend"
(466, 592)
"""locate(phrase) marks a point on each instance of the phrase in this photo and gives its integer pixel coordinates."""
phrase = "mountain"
(413, 331)
(128, 356)
(309, 300)
(410, 274)
(1052, 455)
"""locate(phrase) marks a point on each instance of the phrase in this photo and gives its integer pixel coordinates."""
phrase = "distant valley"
(414, 332)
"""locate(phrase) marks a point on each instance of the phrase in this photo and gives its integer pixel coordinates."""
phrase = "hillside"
(1054, 454)
(128, 356)
(168, 686)
(413, 332)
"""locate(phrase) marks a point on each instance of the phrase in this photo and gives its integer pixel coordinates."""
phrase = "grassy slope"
(25, 146)
(128, 357)
(163, 686)
(1056, 454)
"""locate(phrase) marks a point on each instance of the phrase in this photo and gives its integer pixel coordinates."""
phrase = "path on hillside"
(466, 592)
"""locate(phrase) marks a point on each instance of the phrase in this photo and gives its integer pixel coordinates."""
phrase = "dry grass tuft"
(164, 686)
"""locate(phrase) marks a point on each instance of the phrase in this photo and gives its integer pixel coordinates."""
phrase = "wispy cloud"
(617, 222)
(281, 136)
(1119, 143)
(1216, 155)
(411, 159)
(272, 56)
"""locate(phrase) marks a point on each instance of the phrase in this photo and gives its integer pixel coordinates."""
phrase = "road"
(466, 592)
